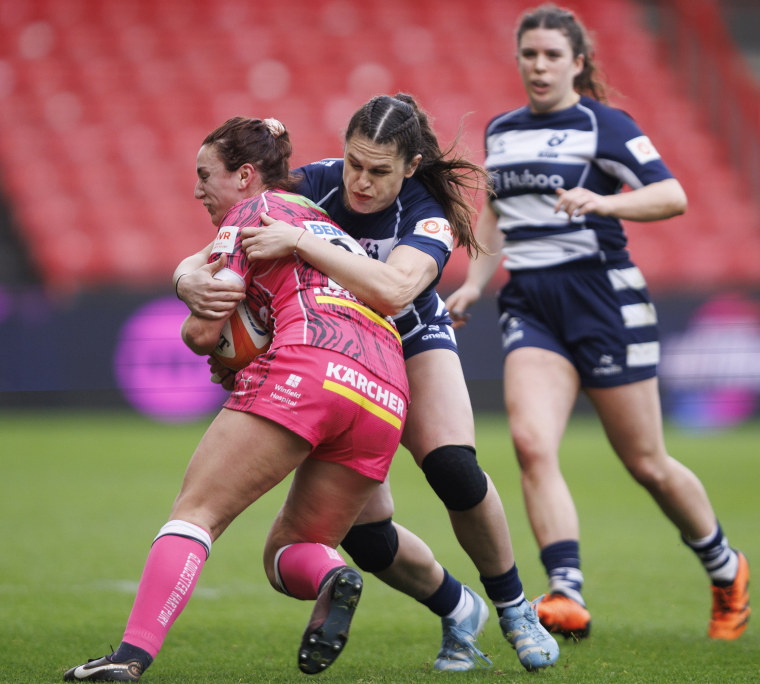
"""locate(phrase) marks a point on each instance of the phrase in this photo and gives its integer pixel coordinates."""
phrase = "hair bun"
(276, 127)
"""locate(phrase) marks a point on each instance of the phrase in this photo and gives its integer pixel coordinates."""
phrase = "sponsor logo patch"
(286, 395)
(512, 333)
(294, 380)
(436, 228)
(607, 366)
(323, 228)
(526, 180)
(642, 149)
(225, 240)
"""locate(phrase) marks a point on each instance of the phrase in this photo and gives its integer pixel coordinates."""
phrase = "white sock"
(501, 605)
(463, 608)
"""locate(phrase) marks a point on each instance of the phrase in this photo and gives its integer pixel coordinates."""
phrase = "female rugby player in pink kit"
(326, 400)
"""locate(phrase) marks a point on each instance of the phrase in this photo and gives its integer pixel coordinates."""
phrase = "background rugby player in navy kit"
(576, 312)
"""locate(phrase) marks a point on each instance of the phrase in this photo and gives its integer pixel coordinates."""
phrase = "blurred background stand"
(104, 104)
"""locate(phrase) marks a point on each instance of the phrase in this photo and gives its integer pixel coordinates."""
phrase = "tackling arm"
(385, 286)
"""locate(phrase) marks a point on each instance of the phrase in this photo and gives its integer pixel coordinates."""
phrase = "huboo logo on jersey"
(642, 148)
(526, 180)
(436, 228)
(225, 240)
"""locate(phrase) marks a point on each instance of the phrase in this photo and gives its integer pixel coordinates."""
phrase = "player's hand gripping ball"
(242, 339)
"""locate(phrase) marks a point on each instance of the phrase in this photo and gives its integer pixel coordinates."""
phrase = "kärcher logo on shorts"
(353, 385)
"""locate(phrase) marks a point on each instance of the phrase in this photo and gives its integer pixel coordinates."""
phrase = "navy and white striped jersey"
(529, 156)
(414, 219)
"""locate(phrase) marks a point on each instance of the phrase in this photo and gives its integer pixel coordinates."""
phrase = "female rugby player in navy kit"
(383, 191)
(576, 312)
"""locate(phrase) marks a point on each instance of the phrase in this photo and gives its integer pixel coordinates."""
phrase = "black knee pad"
(455, 476)
(372, 546)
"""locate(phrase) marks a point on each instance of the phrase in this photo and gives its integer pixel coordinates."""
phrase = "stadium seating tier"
(106, 102)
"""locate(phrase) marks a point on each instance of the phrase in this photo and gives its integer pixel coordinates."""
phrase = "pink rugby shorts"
(348, 414)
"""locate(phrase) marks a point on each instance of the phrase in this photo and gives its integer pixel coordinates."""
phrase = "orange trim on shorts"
(365, 403)
(324, 299)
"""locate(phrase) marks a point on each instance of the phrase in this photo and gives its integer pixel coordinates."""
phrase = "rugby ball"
(242, 339)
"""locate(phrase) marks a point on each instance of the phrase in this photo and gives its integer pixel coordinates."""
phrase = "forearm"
(484, 264)
(660, 200)
(190, 264)
(387, 287)
(201, 334)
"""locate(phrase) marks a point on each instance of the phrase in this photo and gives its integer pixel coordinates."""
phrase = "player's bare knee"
(455, 476)
(532, 453)
(647, 473)
(372, 546)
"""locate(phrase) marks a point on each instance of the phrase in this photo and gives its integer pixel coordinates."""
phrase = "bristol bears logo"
(557, 139)
(372, 248)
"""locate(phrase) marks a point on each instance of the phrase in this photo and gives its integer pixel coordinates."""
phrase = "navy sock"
(562, 561)
(446, 597)
(561, 554)
(129, 652)
(505, 588)
(717, 557)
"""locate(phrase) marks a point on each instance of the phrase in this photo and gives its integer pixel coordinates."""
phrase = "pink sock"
(167, 582)
(301, 567)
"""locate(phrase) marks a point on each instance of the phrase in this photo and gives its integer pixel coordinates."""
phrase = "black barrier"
(117, 349)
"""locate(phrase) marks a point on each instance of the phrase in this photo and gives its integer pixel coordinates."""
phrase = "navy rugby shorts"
(599, 317)
(436, 334)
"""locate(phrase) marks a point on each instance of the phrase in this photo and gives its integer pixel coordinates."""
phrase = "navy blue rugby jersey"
(414, 219)
(529, 156)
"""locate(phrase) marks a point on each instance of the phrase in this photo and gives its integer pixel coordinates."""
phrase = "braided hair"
(449, 178)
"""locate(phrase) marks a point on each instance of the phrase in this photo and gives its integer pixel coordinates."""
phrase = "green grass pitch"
(83, 494)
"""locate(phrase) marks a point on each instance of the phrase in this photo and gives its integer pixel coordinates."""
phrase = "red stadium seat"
(117, 97)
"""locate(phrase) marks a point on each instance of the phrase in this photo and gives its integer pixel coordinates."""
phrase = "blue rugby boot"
(459, 646)
(535, 647)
